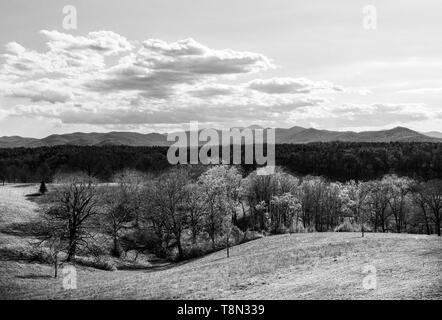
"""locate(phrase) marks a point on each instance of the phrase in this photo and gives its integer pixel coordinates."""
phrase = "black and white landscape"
(109, 188)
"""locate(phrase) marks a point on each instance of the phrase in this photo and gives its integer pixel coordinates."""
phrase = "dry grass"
(298, 266)
(14, 207)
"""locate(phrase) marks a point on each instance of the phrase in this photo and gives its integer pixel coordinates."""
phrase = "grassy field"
(297, 266)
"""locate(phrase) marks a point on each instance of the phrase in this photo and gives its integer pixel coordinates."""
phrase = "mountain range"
(283, 135)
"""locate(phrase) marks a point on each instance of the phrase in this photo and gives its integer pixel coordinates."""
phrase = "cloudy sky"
(155, 65)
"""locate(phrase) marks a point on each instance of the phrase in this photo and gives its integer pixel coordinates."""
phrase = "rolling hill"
(433, 134)
(88, 139)
(283, 135)
(319, 265)
(398, 134)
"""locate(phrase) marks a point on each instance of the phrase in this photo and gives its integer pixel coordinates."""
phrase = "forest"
(339, 161)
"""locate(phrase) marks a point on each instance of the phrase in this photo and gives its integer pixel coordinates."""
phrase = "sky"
(156, 65)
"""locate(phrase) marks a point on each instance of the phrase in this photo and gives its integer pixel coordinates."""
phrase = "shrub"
(298, 229)
(142, 240)
(348, 226)
(42, 188)
(281, 229)
(97, 263)
(243, 222)
(236, 235)
(195, 252)
(251, 235)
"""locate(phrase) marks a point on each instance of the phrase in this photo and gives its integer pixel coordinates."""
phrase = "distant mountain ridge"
(433, 134)
(283, 135)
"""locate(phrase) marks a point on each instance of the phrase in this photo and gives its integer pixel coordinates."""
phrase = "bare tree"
(74, 202)
(378, 202)
(50, 239)
(227, 227)
(433, 196)
(420, 200)
(167, 197)
(399, 189)
(194, 207)
(121, 203)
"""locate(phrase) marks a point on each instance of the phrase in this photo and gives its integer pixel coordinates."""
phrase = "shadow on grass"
(35, 276)
(26, 229)
(24, 185)
(161, 266)
(33, 195)
(147, 268)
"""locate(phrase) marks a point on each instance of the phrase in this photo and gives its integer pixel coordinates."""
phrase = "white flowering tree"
(220, 186)
(355, 201)
(284, 212)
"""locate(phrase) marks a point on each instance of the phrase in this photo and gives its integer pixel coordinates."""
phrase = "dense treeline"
(337, 161)
(362, 161)
(43, 163)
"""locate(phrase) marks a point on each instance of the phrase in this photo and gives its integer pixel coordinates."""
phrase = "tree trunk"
(116, 251)
(180, 250)
(376, 222)
(194, 235)
(228, 246)
(72, 250)
(179, 246)
(427, 225)
(398, 225)
(362, 226)
(212, 236)
(56, 266)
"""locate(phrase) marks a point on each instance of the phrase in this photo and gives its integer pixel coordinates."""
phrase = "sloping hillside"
(115, 138)
(17, 142)
(433, 134)
(301, 266)
(399, 134)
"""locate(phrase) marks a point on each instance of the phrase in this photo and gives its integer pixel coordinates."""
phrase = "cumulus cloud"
(45, 90)
(105, 42)
(213, 90)
(291, 85)
(191, 56)
(66, 54)
(158, 67)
